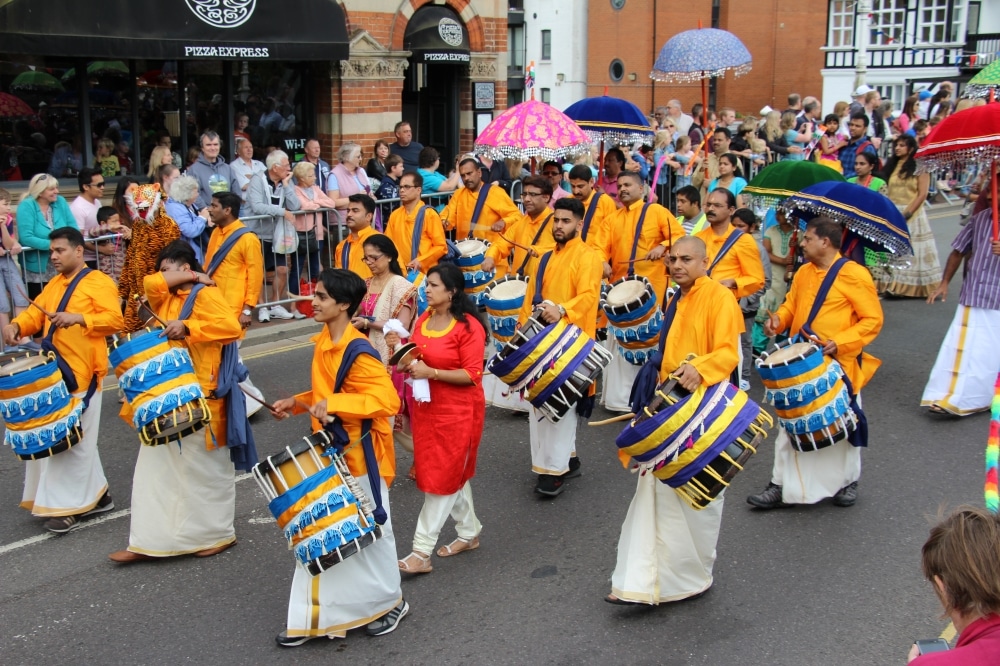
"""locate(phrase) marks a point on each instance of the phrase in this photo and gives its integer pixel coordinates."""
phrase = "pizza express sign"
(443, 41)
(224, 14)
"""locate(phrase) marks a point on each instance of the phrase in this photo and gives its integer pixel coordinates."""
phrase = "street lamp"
(864, 9)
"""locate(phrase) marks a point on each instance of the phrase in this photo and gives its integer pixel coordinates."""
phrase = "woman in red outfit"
(961, 559)
(446, 430)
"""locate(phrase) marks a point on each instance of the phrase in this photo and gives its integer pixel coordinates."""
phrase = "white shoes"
(263, 316)
(278, 312)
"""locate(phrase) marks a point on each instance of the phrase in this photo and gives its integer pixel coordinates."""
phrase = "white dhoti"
(69, 483)
(552, 444)
(667, 549)
(807, 478)
(183, 498)
(499, 394)
(351, 594)
(965, 372)
(435, 512)
(618, 379)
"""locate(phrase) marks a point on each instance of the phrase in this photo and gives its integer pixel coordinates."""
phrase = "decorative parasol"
(107, 68)
(871, 220)
(776, 182)
(14, 107)
(611, 120)
(36, 81)
(531, 129)
(156, 78)
(982, 83)
(993, 453)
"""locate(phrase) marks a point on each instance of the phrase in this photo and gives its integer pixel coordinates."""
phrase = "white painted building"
(555, 38)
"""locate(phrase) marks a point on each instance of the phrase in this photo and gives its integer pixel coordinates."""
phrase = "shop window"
(546, 45)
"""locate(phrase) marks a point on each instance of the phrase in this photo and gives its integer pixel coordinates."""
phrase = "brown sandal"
(457, 546)
(423, 566)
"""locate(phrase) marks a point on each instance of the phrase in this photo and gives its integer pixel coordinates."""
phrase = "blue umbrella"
(610, 120)
(695, 55)
(870, 219)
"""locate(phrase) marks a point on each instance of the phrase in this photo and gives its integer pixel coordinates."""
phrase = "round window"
(617, 4)
(617, 70)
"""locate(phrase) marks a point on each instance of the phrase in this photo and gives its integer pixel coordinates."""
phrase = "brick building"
(783, 36)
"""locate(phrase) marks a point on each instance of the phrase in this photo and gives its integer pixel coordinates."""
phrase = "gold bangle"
(436, 375)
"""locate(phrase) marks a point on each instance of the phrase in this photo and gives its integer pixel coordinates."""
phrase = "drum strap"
(49, 346)
(220, 254)
(484, 192)
(354, 349)
(589, 216)
(418, 231)
(539, 276)
(824, 291)
(644, 386)
(635, 241)
(731, 240)
(538, 234)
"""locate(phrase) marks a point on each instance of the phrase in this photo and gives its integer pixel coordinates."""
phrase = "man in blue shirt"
(858, 143)
(405, 147)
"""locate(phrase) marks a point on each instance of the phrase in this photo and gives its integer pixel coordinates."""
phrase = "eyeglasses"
(551, 173)
(371, 259)
(101, 184)
(532, 194)
(408, 187)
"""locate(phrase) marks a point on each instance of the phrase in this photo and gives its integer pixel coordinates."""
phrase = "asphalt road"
(810, 585)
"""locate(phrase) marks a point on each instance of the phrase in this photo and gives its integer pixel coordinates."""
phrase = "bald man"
(667, 549)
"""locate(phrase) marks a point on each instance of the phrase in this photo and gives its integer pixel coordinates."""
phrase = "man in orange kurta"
(184, 492)
(531, 231)
(498, 212)
(582, 180)
(431, 245)
(360, 212)
(660, 229)
(849, 320)
(569, 290)
(70, 485)
(366, 585)
(648, 570)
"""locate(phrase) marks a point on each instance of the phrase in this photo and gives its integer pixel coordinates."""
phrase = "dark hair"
(392, 160)
(461, 306)
(104, 213)
(691, 193)
(909, 165)
(730, 197)
(581, 172)
(734, 159)
(793, 99)
(828, 228)
(630, 174)
(378, 143)
(870, 157)
(696, 110)
(418, 180)
(399, 125)
(161, 172)
(365, 201)
(344, 286)
(427, 157)
(118, 200)
(384, 244)
(860, 116)
(179, 252)
(572, 204)
(810, 107)
(725, 131)
(747, 216)
(541, 182)
(86, 175)
(552, 163)
(831, 118)
(617, 153)
(72, 236)
(920, 125)
(962, 551)
(5, 195)
(229, 200)
(469, 160)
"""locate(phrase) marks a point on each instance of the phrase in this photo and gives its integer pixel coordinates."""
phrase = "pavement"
(812, 585)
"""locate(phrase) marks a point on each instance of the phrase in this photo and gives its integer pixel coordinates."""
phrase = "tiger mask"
(143, 201)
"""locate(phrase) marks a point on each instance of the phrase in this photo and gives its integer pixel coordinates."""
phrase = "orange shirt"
(241, 274)
(707, 324)
(603, 217)
(659, 228)
(367, 393)
(83, 347)
(523, 232)
(432, 244)
(498, 207)
(356, 253)
(573, 280)
(742, 262)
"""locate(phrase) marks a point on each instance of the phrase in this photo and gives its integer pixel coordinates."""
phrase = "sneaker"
(744, 385)
(549, 485)
(284, 640)
(62, 524)
(769, 499)
(263, 317)
(574, 469)
(296, 314)
(278, 312)
(388, 622)
(847, 495)
(103, 504)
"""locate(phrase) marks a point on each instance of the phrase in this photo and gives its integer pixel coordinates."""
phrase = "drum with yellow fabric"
(473, 253)
(162, 390)
(695, 442)
(503, 299)
(809, 395)
(320, 507)
(41, 415)
(555, 365)
(633, 317)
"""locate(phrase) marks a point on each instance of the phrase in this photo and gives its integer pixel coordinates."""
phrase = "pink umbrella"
(531, 129)
(13, 107)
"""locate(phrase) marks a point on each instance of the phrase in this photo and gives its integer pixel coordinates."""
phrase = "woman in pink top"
(349, 178)
(309, 225)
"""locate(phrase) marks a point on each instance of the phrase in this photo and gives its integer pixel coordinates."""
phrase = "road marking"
(949, 632)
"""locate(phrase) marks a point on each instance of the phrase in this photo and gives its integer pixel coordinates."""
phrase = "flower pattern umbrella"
(36, 81)
(531, 129)
(982, 83)
(14, 107)
(610, 120)
(776, 182)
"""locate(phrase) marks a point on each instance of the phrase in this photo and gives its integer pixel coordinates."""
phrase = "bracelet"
(436, 375)
(194, 276)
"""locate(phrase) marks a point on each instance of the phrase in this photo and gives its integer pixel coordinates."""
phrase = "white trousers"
(552, 444)
(71, 482)
(435, 512)
(807, 478)
(667, 549)
(618, 379)
(499, 394)
(965, 372)
(183, 498)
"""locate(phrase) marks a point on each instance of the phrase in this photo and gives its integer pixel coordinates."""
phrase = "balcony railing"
(909, 56)
(981, 50)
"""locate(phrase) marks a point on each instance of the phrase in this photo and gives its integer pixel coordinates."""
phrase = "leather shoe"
(128, 557)
(209, 552)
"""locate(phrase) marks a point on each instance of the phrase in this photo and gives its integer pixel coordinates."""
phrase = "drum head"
(790, 353)
(627, 291)
(508, 288)
(470, 247)
(23, 363)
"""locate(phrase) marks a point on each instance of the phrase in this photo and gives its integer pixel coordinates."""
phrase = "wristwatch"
(247, 311)
(562, 311)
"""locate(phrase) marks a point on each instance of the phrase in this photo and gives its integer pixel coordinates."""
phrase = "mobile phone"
(928, 645)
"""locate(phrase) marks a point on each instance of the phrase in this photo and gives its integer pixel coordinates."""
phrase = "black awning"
(176, 29)
(437, 34)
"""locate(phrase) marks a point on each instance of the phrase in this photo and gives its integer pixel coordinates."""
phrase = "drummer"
(849, 319)
(431, 245)
(498, 211)
(659, 230)
(531, 231)
(667, 549)
(365, 585)
(600, 208)
(70, 485)
(568, 288)
(350, 253)
(184, 492)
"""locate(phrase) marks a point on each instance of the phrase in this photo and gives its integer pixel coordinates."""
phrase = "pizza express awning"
(175, 29)
(436, 34)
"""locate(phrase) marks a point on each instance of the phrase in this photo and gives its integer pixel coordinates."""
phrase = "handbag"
(308, 242)
(285, 239)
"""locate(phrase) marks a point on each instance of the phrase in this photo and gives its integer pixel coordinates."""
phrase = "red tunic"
(447, 430)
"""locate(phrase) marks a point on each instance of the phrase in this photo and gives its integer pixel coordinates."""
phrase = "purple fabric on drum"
(567, 372)
(739, 424)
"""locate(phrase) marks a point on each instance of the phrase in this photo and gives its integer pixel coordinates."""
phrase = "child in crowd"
(12, 289)
(111, 252)
(105, 160)
(830, 143)
(683, 156)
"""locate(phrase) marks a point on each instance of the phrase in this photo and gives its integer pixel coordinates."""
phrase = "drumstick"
(142, 304)
(526, 249)
(616, 419)
(44, 311)
(270, 407)
(634, 261)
